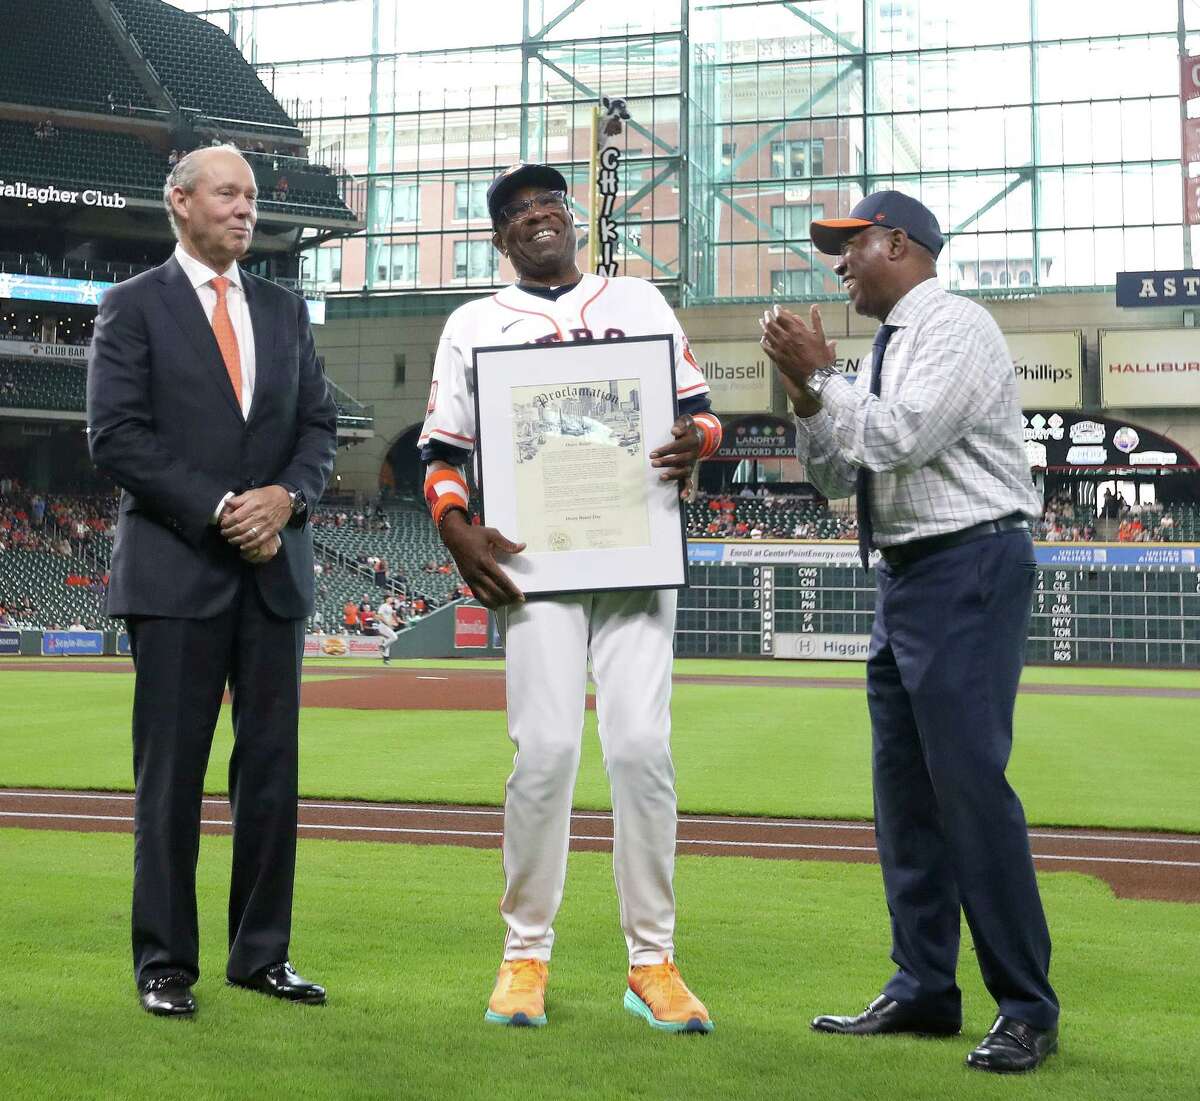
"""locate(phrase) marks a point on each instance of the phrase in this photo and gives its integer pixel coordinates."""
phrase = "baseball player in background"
(386, 621)
(627, 635)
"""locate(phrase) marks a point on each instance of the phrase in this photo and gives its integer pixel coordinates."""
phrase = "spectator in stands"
(173, 158)
(281, 189)
(76, 625)
(212, 569)
(350, 616)
(111, 100)
(5, 618)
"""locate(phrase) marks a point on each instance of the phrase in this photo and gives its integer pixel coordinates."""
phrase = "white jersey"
(595, 309)
(386, 614)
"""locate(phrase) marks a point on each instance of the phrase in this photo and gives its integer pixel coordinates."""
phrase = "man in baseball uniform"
(386, 621)
(548, 640)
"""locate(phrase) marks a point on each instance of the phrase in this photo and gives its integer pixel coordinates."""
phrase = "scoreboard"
(1127, 604)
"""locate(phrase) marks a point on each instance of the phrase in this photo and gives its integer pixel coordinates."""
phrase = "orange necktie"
(226, 337)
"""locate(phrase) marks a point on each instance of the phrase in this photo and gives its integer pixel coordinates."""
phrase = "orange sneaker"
(519, 997)
(658, 993)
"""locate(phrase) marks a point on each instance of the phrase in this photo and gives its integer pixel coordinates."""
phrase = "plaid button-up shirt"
(943, 439)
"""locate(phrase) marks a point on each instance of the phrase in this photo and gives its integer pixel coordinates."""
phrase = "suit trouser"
(945, 660)
(182, 666)
(629, 637)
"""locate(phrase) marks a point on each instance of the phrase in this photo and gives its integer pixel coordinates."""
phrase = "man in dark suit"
(207, 405)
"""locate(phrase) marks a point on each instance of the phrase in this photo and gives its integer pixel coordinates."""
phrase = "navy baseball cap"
(517, 176)
(892, 209)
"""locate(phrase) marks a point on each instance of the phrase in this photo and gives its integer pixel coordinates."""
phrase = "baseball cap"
(892, 209)
(516, 176)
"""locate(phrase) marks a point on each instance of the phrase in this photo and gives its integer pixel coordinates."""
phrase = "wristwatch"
(819, 379)
(299, 504)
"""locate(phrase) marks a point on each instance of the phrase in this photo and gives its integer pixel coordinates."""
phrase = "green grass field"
(1129, 762)
(407, 937)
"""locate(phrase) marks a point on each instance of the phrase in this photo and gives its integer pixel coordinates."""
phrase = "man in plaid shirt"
(929, 441)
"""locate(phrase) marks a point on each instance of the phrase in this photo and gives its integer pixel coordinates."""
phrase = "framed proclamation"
(563, 441)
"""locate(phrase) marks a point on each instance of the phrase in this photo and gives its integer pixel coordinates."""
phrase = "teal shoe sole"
(639, 1008)
(517, 1020)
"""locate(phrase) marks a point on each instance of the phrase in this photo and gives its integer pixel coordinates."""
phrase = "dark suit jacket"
(164, 424)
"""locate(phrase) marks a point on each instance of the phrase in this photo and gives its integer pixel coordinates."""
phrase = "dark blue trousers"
(945, 659)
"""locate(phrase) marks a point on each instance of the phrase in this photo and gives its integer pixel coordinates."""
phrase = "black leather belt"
(905, 554)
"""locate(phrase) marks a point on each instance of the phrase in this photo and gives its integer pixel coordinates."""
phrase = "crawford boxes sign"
(1150, 368)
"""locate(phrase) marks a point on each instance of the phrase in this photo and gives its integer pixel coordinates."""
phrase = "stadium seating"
(775, 517)
(87, 158)
(199, 64)
(40, 384)
(60, 53)
(41, 576)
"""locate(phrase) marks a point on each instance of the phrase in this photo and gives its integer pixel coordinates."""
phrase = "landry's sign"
(49, 195)
(1150, 368)
(73, 353)
(760, 436)
(738, 375)
(1047, 363)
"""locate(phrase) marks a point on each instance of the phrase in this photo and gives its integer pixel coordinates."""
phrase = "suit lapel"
(185, 308)
(262, 321)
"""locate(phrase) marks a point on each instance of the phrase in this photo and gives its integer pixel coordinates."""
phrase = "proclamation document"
(564, 435)
(580, 466)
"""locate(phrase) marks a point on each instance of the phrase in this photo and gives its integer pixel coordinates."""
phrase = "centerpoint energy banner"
(738, 374)
(1149, 368)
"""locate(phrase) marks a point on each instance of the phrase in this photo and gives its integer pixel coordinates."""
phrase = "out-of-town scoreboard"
(1124, 604)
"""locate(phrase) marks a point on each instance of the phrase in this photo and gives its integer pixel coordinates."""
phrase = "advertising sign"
(815, 647)
(1061, 439)
(68, 643)
(753, 552)
(10, 642)
(71, 353)
(470, 627)
(1158, 288)
(1048, 365)
(340, 646)
(757, 436)
(1149, 368)
(738, 374)
(1049, 368)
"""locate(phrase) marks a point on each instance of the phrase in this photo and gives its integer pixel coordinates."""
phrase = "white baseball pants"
(629, 637)
(386, 637)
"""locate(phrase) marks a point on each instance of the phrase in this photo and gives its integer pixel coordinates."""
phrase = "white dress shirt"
(200, 276)
(943, 439)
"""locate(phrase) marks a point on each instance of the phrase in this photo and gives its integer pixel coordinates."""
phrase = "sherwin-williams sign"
(1048, 365)
(1149, 368)
(738, 374)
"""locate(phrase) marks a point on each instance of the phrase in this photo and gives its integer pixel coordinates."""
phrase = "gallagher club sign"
(1158, 288)
(36, 194)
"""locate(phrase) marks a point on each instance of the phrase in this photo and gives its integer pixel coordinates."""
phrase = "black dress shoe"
(1013, 1047)
(168, 996)
(886, 1015)
(281, 981)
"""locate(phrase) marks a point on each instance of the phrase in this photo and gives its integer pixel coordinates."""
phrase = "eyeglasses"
(520, 208)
